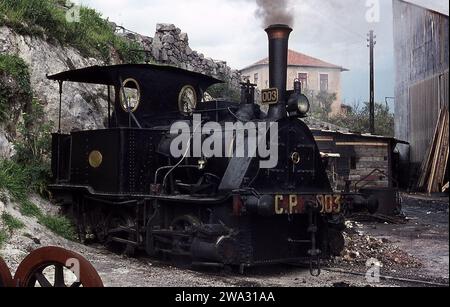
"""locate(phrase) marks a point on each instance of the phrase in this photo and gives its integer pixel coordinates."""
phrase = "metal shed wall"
(422, 67)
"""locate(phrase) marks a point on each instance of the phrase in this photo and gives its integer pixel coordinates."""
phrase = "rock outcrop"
(6, 148)
(171, 46)
(84, 106)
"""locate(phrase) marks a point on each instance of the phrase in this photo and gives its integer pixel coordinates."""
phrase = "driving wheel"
(56, 267)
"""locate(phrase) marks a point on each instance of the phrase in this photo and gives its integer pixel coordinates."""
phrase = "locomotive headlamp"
(298, 104)
(303, 105)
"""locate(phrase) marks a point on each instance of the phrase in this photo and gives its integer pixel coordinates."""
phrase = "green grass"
(3, 237)
(93, 35)
(11, 222)
(15, 178)
(27, 208)
(59, 225)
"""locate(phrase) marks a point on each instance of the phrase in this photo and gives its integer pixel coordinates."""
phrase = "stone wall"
(171, 46)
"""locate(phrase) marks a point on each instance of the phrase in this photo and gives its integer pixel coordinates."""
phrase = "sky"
(332, 30)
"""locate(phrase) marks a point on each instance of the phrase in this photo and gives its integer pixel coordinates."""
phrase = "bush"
(14, 67)
(224, 90)
(34, 147)
(320, 103)
(357, 120)
(93, 35)
(30, 170)
(17, 68)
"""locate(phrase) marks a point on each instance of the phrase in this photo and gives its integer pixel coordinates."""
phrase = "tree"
(225, 91)
(357, 119)
(320, 103)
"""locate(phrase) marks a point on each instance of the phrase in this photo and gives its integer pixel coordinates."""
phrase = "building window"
(303, 78)
(323, 82)
(255, 78)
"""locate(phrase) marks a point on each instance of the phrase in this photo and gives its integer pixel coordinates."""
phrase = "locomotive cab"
(143, 101)
(143, 94)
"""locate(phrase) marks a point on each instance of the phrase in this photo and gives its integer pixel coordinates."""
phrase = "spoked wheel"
(56, 267)
(5, 275)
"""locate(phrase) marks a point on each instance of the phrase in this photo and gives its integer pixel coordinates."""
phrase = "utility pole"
(371, 45)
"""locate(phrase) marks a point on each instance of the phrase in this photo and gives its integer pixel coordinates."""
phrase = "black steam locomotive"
(124, 186)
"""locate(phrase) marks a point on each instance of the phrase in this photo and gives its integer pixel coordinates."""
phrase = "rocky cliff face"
(84, 106)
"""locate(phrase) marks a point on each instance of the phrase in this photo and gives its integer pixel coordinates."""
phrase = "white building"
(315, 75)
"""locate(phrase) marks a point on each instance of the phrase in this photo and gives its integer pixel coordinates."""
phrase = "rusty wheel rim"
(56, 267)
(5, 275)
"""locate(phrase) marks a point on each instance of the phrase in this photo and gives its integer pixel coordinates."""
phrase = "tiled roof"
(299, 59)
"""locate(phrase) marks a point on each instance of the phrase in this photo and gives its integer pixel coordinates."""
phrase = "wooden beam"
(425, 170)
(441, 157)
(362, 144)
(445, 187)
(324, 139)
(436, 156)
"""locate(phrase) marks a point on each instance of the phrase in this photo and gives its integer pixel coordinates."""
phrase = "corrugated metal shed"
(422, 67)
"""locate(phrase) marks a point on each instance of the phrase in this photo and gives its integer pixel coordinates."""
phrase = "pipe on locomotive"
(278, 60)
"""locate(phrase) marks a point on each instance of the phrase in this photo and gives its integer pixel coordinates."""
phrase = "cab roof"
(109, 75)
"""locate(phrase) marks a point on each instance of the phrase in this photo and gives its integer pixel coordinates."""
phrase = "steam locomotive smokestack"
(278, 59)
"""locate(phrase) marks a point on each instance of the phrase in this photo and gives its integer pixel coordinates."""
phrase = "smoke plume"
(275, 12)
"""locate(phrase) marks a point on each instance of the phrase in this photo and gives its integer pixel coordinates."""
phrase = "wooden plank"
(446, 187)
(435, 158)
(427, 162)
(324, 139)
(425, 167)
(442, 157)
(361, 144)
